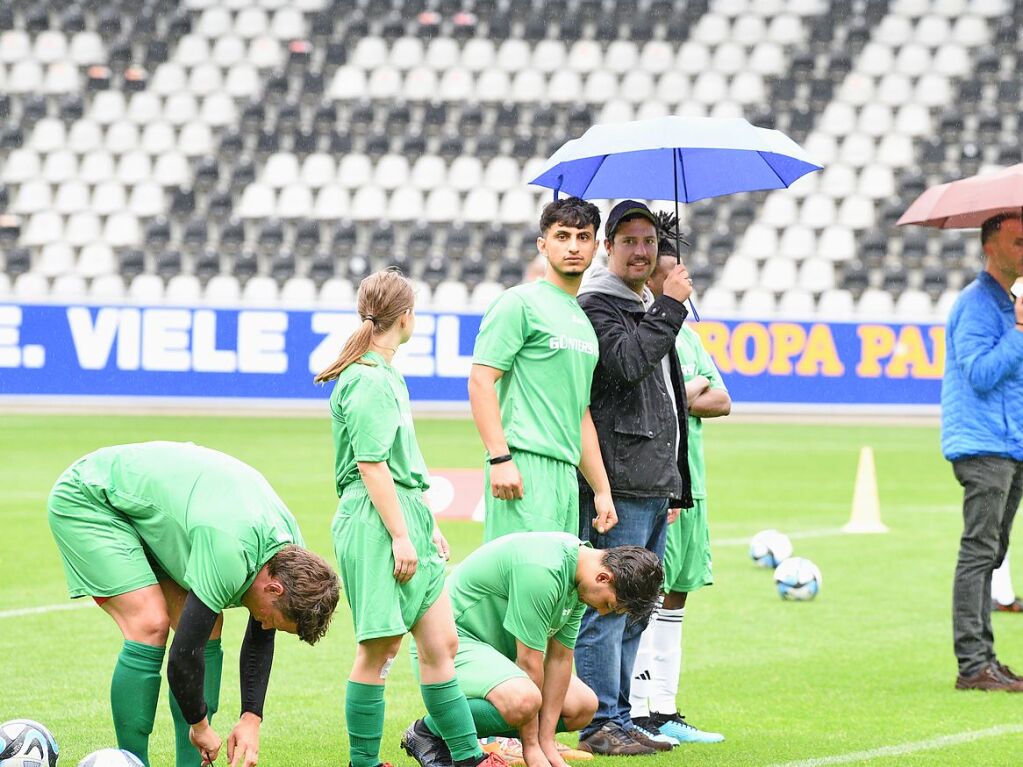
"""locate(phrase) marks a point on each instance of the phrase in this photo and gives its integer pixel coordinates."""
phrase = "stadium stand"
(274, 153)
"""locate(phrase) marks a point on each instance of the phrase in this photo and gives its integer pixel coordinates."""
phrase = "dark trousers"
(992, 487)
(605, 651)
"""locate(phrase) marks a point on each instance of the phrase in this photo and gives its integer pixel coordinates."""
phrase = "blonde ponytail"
(383, 298)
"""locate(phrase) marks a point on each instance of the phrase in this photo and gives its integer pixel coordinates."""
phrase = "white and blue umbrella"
(684, 159)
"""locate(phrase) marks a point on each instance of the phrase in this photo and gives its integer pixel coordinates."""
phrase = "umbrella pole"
(678, 231)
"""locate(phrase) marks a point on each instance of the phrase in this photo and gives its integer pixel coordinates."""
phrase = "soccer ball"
(769, 547)
(111, 757)
(797, 579)
(24, 743)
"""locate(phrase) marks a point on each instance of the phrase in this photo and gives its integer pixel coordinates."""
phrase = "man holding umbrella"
(982, 435)
(638, 404)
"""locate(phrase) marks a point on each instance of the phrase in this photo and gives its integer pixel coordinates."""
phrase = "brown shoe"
(988, 678)
(1015, 606)
(612, 740)
(643, 736)
(1008, 672)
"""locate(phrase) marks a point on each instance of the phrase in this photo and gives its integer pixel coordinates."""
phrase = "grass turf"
(867, 665)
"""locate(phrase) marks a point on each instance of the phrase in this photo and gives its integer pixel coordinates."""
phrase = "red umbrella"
(968, 202)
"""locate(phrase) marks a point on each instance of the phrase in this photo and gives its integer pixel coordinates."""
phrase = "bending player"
(167, 535)
(384, 535)
(517, 603)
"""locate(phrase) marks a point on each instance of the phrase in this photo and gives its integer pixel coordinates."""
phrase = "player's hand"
(606, 517)
(206, 740)
(243, 742)
(534, 756)
(442, 544)
(506, 482)
(550, 750)
(674, 514)
(678, 284)
(405, 559)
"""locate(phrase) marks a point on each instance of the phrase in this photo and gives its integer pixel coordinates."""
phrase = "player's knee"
(152, 628)
(580, 708)
(437, 650)
(523, 706)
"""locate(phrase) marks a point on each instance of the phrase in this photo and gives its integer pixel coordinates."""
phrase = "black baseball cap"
(625, 209)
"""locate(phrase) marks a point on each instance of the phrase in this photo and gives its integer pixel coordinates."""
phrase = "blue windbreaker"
(982, 392)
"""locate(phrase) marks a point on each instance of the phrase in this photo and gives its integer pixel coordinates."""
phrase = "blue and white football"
(111, 757)
(24, 743)
(797, 579)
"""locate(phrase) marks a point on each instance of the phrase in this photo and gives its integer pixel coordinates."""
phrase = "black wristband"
(500, 459)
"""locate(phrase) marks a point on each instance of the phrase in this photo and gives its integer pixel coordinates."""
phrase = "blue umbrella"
(684, 159)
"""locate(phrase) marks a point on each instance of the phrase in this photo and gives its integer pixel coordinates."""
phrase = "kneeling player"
(167, 535)
(518, 601)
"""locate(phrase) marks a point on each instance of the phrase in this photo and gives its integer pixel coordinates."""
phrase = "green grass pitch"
(865, 666)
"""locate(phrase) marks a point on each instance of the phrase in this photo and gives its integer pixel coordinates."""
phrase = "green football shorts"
(102, 553)
(478, 667)
(687, 564)
(550, 503)
(382, 607)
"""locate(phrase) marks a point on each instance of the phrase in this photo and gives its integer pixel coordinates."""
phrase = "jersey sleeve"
(371, 412)
(217, 568)
(570, 631)
(502, 333)
(705, 367)
(532, 599)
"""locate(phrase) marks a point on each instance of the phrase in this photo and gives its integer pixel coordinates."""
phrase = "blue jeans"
(606, 648)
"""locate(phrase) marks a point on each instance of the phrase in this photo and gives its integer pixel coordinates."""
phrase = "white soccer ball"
(798, 579)
(24, 743)
(111, 757)
(769, 547)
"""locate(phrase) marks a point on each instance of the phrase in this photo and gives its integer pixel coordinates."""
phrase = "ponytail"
(383, 298)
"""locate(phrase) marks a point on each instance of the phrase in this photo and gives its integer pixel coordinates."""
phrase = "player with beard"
(530, 389)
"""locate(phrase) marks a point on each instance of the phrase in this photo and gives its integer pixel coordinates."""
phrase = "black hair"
(570, 211)
(637, 577)
(993, 224)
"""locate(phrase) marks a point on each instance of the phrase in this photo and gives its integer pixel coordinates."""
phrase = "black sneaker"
(426, 748)
(612, 740)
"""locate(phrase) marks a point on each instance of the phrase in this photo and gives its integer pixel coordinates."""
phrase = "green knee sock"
(364, 715)
(451, 715)
(185, 754)
(486, 718)
(134, 692)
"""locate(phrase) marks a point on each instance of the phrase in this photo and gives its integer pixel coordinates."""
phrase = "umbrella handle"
(692, 306)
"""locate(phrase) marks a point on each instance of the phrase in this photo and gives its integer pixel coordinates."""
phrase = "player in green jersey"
(517, 604)
(387, 545)
(687, 560)
(529, 388)
(168, 535)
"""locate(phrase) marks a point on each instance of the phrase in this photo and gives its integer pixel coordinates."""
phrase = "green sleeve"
(532, 599)
(217, 569)
(371, 412)
(705, 367)
(502, 333)
(570, 631)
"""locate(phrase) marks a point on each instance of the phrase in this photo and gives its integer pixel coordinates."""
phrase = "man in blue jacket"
(982, 435)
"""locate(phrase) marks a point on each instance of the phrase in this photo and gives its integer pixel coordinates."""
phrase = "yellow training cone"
(866, 506)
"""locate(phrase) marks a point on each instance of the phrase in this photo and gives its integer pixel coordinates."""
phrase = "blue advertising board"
(161, 351)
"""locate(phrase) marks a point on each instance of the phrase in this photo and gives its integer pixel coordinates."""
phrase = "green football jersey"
(208, 520)
(696, 361)
(520, 586)
(543, 341)
(373, 423)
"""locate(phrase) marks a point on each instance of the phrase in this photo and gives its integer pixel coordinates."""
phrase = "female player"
(384, 535)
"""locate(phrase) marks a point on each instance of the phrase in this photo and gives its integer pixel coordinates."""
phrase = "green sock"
(485, 717)
(452, 717)
(364, 715)
(134, 692)
(185, 754)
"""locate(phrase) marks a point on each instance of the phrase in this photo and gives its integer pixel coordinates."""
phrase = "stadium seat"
(796, 304)
(54, 259)
(716, 302)
(757, 303)
(836, 304)
(336, 293)
(875, 304)
(913, 306)
(222, 290)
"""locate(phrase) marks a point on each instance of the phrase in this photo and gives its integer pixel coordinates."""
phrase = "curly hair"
(637, 577)
(570, 211)
(311, 590)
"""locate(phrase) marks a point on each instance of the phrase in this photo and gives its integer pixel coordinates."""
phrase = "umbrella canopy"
(674, 158)
(968, 202)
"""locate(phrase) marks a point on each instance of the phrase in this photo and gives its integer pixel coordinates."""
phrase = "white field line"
(943, 741)
(78, 604)
(825, 533)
